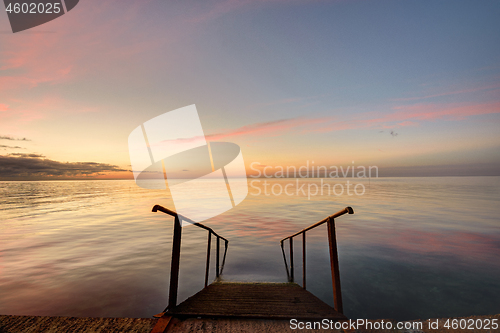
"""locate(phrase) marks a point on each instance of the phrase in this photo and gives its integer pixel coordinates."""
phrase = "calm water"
(415, 247)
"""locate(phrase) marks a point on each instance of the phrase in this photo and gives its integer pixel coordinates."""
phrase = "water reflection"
(415, 248)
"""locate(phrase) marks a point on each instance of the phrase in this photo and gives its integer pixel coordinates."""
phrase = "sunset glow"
(393, 87)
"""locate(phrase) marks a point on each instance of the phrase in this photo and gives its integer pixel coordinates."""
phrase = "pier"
(220, 306)
(255, 300)
(277, 302)
(228, 306)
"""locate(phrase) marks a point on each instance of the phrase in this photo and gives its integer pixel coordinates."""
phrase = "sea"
(415, 248)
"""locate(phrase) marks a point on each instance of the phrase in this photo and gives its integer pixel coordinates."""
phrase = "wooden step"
(255, 300)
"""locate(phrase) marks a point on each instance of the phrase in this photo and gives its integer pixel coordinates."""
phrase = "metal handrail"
(176, 252)
(347, 210)
(174, 214)
(334, 261)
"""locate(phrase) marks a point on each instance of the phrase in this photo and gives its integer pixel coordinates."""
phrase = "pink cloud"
(79, 44)
(76, 49)
(4, 107)
(270, 128)
(407, 123)
(409, 115)
(450, 111)
(32, 61)
(31, 110)
(404, 116)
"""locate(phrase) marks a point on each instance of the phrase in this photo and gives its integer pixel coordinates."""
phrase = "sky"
(412, 87)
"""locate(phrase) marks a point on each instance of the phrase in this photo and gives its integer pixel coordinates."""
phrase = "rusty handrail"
(347, 210)
(174, 214)
(176, 252)
(334, 261)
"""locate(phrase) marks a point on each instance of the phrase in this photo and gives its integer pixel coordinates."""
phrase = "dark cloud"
(11, 147)
(27, 155)
(36, 166)
(5, 137)
(391, 133)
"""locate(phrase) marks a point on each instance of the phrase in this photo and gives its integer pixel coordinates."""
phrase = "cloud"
(411, 115)
(407, 123)
(432, 111)
(36, 166)
(76, 52)
(402, 116)
(11, 147)
(32, 155)
(31, 63)
(5, 137)
(76, 49)
(271, 128)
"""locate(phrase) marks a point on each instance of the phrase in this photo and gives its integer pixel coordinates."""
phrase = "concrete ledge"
(25, 324)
